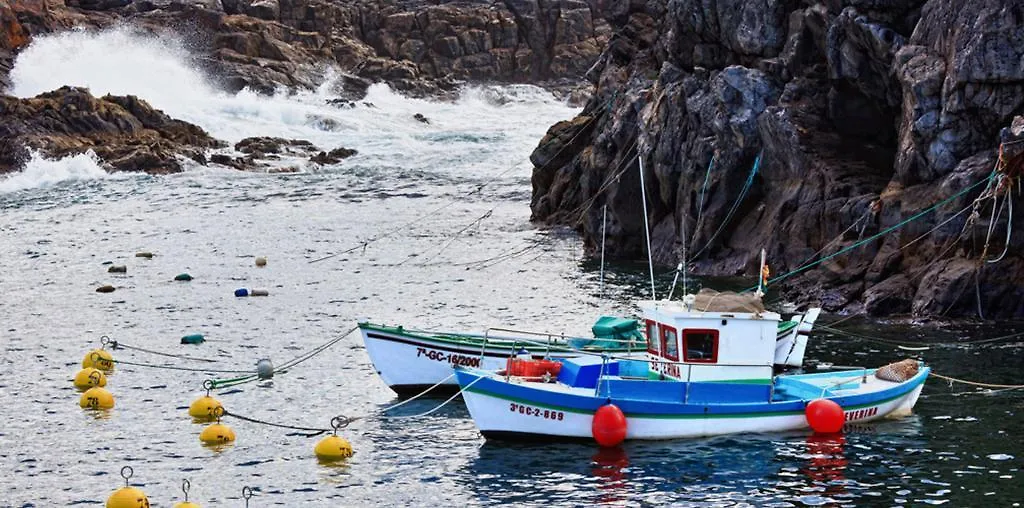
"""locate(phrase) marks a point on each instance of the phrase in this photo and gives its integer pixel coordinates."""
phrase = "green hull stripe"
(477, 342)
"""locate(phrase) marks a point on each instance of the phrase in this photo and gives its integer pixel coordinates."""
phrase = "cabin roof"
(677, 309)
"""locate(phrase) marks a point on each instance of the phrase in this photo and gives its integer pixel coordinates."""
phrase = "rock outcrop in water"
(419, 47)
(805, 128)
(124, 132)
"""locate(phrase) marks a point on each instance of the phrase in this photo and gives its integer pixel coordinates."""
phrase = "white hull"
(422, 365)
(411, 364)
(497, 417)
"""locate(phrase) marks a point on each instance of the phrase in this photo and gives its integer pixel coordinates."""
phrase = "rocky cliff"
(421, 47)
(817, 130)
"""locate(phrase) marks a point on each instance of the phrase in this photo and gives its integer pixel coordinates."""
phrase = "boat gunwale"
(476, 341)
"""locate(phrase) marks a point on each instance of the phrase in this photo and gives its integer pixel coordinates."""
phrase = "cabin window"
(652, 338)
(669, 343)
(700, 346)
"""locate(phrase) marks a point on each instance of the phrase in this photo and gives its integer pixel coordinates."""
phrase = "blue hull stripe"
(588, 404)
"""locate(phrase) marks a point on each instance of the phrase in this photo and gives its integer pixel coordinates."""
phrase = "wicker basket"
(898, 372)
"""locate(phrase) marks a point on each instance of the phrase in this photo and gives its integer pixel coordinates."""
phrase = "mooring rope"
(879, 234)
(405, 226)
(700, 205)
(976, 383)
(119, 345)
(1002, 338)
(283, 368)
(439, 406)
(838, 237)
(735, 206)
(186, 369)
(342, 421)
(315, 431)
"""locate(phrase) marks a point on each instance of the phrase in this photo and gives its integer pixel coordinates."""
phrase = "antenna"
(676, 279)
(604, 227)
(682, 266)
(647, 229)
(760, 276)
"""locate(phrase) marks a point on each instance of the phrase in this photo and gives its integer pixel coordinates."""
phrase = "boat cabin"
(699, 346)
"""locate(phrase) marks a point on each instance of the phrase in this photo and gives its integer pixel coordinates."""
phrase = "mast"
(604, 227)
(647, 229)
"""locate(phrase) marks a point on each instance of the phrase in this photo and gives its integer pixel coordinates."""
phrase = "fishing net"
(898, 372)
(709, 300)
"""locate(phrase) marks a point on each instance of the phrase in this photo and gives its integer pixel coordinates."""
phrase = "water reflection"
(826, 466)
(761, 469)
(610, 468)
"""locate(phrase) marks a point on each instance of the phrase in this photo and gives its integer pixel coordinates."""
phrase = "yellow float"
(96, 398)
(334, 448)
(89, 377)
(98, 359)
(217, 433)
(127, 497)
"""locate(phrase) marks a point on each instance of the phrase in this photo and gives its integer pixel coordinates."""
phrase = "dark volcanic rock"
(334, 156)
(264, 145)
(819, 133)
(422, 48)
(124, 132)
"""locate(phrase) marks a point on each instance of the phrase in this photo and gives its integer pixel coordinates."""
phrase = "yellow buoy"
(205, 408)
(98, 359)
(333, 448)
(96, 398)
(217, 434)
(128, 497)
(89, 377)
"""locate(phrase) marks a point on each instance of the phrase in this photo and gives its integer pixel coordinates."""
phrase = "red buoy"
(609, 426)
(825, 416)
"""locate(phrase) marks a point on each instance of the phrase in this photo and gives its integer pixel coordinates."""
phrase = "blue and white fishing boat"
(704, 373)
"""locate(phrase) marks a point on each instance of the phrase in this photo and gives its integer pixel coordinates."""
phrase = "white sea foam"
(473, 135)
(41, 172)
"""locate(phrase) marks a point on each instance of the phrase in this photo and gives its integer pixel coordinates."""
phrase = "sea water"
(428, 226)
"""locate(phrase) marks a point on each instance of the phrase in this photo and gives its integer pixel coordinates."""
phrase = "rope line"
(881, 233)
(735, 206)
(404, 226)
(186, 369)
(315, 351)
(439, 406)
(225, 383)
(118, 345)
(1009, 231)
(620, 170)
(451, 240)
(943, 223)
(838, 237)
(700, 206)
(1001, 338)
(418, 395)
(286, 366)
(976, 383)
(316, 431)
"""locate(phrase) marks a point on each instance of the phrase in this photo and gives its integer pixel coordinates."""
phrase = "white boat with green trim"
(705, 373)
(411, 361)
